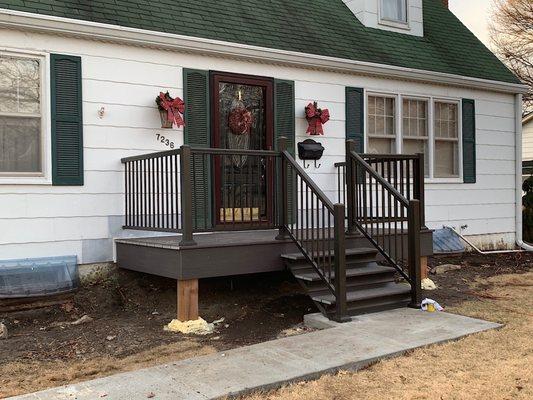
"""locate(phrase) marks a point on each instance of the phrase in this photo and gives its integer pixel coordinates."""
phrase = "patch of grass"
(492, 365)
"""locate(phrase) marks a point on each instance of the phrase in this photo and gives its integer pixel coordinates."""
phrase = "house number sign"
(166, 141)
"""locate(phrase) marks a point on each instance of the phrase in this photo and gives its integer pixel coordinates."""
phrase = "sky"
(474, 14)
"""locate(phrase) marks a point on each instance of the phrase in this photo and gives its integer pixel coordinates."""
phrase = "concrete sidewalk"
(266, 365)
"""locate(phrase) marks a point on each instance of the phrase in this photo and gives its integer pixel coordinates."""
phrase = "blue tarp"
(445, 240)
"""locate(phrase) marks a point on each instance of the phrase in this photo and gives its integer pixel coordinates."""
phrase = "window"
(394, 10)
(415, 129)
(446, 140)
(427, 125)
(381, 125)
(20, 116)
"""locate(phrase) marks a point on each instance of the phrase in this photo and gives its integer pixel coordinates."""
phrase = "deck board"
(207, 240)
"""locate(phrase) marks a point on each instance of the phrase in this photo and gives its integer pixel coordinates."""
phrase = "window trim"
(43, 177)
(458, 103)
(394, 23)
(367, 135)
(431, 100)
(429, 121)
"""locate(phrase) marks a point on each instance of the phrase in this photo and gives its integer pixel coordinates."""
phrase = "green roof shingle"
(323, 27)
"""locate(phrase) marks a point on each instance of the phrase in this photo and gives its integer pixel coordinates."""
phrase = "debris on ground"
(428, 284)
(3, 331)
(441, 269)
(430, 305)
(111, 337)
(82, 320)
(196, 327)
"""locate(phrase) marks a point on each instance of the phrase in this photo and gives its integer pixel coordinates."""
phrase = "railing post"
(419, 186)
(413, 251)
(340, 263)
(350, 187)
(283, 196)
(186, 197)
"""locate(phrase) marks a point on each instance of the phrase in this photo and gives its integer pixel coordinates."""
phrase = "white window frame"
(393, 23)
(399, 96)
(389, 96)
(456, 101)
(43, 177)
(429, 120)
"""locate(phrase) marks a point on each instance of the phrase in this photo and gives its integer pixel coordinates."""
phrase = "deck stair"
(370, 286)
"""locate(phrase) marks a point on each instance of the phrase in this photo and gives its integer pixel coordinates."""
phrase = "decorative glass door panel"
(243, 121)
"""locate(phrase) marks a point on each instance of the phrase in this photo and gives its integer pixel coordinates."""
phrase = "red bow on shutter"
(174, 108)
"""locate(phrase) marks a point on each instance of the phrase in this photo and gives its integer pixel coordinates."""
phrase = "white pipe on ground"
(476, 248)
(518, 147)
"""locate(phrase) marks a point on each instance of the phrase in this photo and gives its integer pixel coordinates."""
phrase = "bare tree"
(512, 35)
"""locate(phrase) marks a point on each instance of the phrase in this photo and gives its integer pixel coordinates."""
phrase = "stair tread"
(354, 294)
(349, 252)
(309, 274)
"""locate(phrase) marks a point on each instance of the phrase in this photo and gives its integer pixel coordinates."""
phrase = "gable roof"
(320, 27)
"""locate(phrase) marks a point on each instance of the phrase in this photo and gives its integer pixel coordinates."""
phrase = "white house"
(527, 137)
(78, 83)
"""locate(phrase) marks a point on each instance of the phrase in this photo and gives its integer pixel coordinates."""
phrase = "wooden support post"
(413, 253)
(339, 248)
(188, 300)
(186, 197)
(350, 186)
(423, 267)
(283, 195)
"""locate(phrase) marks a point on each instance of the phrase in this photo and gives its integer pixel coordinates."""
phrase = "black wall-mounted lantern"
(310, 150)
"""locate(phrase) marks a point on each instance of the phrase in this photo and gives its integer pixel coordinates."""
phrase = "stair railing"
(316, 225)
(385, 217)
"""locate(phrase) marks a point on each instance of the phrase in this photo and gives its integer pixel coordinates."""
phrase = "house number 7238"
(164, 140)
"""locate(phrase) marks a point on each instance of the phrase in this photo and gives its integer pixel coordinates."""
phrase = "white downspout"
(518, 156)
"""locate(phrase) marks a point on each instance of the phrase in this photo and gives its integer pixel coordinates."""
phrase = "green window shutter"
(284, 121)
(355, 117)
(67, 120)
(284, 125)
(469, 141)
(197, 133)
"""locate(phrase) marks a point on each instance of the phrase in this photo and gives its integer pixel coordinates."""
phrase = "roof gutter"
(145, 38)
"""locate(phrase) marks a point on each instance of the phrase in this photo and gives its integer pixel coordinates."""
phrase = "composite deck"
(219, 253)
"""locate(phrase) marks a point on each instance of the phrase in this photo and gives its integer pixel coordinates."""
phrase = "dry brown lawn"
(493, 365)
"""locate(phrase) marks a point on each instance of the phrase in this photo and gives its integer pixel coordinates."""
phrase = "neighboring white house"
(527, 137)
(417, 66)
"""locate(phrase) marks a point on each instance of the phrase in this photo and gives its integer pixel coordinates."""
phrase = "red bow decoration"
(316, 117)
(174, 108)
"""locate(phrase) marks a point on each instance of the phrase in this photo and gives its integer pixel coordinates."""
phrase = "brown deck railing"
(152, 191)
(384, 215)
(379, 195)
(169, 191)
(316, 226)
(404, 172)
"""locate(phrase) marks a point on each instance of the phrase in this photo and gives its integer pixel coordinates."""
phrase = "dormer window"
(400, 16)
(394, 11)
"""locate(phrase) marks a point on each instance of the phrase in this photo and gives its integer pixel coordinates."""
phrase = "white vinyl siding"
(43, 220)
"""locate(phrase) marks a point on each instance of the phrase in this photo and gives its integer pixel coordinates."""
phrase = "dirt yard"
(492, 365)
(127, 312)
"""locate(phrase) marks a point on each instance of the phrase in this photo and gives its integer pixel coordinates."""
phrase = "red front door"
(242, 119)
